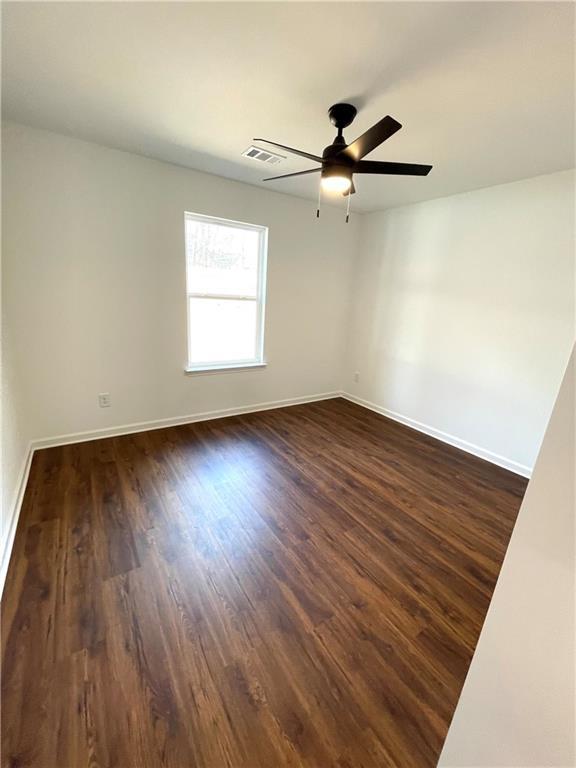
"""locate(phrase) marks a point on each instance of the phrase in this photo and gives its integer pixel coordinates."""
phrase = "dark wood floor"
(298, 587)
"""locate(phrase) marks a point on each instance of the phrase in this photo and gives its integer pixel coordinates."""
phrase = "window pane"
(221, 259)
(222, 330)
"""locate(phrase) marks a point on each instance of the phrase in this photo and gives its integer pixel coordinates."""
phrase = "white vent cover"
(263, 155)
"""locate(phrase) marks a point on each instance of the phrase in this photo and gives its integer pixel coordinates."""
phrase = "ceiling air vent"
(264, 156)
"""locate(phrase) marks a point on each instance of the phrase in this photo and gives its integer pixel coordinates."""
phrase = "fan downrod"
(341, 115)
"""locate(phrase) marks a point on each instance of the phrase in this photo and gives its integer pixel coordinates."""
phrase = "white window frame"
(231, 365)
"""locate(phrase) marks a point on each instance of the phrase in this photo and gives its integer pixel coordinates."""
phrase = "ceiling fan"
(340, 161)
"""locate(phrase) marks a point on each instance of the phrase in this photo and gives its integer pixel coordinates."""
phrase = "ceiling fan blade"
(291, 149)
(399, 169)
(351, 191)
(373, 137)
(298, 173)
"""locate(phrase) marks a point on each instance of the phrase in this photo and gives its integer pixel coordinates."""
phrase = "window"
(226, 280)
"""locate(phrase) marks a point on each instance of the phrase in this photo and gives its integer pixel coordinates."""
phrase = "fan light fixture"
(336, 178)
(336, 183)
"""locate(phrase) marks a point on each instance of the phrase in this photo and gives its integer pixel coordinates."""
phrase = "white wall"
(517, 704)
(94, 261)
(13, 445)
(463, 313)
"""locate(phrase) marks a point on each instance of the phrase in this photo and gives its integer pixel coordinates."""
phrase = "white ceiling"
(485, 91)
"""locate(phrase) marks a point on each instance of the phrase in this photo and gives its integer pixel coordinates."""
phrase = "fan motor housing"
(341, 115)
(333, 153)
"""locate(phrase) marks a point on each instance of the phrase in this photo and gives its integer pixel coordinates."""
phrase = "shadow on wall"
(410, 276)
(463, 313)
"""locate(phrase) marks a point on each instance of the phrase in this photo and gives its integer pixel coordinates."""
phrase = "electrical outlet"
(356, 376)
(104, 400)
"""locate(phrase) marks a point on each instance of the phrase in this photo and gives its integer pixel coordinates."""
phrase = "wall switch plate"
(104, 400)
(356, 376)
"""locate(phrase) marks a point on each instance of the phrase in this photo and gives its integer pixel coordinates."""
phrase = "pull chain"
(319, 198)
(348, 206)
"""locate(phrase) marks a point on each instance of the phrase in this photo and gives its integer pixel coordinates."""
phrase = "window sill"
(204, 369)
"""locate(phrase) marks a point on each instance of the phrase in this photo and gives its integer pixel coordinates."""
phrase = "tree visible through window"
(225, 276)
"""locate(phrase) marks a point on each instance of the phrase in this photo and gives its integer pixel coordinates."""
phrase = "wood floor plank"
(301, 587)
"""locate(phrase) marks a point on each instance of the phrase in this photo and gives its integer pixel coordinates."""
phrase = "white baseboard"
(457, 442)
(126, 429)
(14, 514)
(146, 426)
